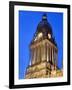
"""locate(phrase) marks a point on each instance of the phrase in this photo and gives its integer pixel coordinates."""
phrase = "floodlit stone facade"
(43, 53)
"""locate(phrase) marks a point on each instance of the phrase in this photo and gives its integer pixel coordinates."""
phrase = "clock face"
(49, 36)
(40, 35)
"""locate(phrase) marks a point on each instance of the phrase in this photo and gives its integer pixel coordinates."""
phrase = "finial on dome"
(44, 17)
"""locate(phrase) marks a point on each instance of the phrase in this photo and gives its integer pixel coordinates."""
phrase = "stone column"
(50, 53)
(56, 58)
(52, 56)
(47, 53)
(40, 52)
(35, 56)
(38, 55)
(43, 53)
(32, 56)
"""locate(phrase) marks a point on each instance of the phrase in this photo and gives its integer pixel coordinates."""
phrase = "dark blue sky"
(28, 21)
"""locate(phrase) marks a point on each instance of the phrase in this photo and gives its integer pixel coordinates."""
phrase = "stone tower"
(43, 53)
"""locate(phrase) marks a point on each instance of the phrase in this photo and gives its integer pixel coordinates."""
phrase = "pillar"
(32, 56)
(47, 53)
(52, 56)
(56, 58)
(38, 54)
(43, 53)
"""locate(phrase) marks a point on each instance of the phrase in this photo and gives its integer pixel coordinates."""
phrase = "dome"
(44, 31)
(44, 26)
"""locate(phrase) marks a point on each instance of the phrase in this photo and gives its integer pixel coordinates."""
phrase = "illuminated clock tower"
(43, 53)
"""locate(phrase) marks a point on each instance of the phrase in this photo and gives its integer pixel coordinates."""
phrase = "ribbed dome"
(44, 31)
(44, 26)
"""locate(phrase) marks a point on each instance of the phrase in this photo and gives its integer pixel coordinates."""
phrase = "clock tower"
(43, 53)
